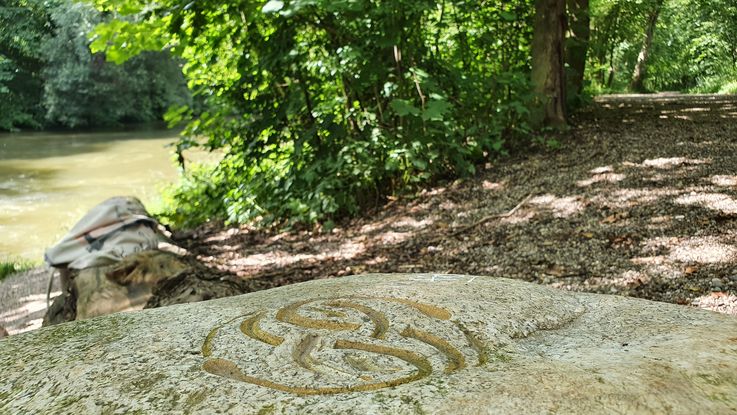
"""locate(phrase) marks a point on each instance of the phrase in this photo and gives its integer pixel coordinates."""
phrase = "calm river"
(48, 181)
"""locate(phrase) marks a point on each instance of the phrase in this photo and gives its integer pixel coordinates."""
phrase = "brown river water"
(48, 181)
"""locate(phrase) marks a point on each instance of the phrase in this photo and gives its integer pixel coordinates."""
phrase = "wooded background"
(325, 107)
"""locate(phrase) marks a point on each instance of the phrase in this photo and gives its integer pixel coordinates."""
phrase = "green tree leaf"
(436, 110)
(402, 107)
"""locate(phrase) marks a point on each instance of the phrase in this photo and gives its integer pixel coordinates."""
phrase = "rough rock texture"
(419, 343)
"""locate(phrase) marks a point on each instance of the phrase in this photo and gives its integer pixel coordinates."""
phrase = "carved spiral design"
(334, 319)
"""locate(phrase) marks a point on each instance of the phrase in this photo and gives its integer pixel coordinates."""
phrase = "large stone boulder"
(382, 344)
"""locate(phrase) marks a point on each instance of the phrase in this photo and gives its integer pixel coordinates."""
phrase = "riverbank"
(10, 266)
(641, 200)
(49, 180)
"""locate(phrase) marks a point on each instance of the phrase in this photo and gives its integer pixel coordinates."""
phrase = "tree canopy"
(692, 45)
(327, 106)
(25, 26)
(49, 77)
(324, 107)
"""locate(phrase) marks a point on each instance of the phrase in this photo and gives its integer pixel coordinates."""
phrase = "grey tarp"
(110, 231)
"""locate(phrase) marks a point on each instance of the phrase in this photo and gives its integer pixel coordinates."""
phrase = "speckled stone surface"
(394, 344)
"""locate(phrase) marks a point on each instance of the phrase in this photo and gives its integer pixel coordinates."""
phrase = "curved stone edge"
(74, 349)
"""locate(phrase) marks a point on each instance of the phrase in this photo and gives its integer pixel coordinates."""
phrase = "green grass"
(10, 266)
(729, 88)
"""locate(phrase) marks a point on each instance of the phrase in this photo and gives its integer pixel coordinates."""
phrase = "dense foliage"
(694, 45)
(49, 77)
(24, 26)
(324, 106)
(82, 89)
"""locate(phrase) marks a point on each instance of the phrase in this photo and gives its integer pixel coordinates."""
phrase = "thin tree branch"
(490, 217)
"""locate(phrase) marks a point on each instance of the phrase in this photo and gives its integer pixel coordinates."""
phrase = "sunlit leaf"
(272, 6)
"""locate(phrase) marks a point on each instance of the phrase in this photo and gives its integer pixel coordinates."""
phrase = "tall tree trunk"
(638, 75)
(548, 76)
(577, 45)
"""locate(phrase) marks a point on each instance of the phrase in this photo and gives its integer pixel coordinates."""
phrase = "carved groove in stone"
(207, 344)
(369, 365)
(455, 358)
(381, 323)
(301, 353)
(481, 351)
(289, 314)
(250, 327)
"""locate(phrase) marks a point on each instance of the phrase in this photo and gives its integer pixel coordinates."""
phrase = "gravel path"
(640, 200)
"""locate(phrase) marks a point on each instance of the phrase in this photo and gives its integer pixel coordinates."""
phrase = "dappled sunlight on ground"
(401, 222)
(658, 265)
(663, 222)
(671, 162)
(646, 209)
(686, 257)
(627, 279)
(602, 169)
(717, 301)
(27, 304)
(724, 180)
(522, 217)
(393, 237)
(627, 198)
(705, 250)
(448, 205)
(664, 105)
(487, 185)
(715, 201)
(280, 258)
(267, 254)
(560, 207)
(602, 177)
(26, 313)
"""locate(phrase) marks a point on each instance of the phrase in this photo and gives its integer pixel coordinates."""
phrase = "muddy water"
(48, 181)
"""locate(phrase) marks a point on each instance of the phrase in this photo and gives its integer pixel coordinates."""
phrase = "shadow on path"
(640, 201)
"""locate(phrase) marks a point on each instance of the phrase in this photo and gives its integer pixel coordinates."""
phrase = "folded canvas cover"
(112, 230)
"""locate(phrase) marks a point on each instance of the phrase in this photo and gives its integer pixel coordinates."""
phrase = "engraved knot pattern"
(340, 345)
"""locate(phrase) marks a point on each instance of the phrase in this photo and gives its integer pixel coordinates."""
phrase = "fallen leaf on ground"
(556, 271)
(610, 219)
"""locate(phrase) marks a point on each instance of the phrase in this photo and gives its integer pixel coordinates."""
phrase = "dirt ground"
(639, 200)
(23, 300)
